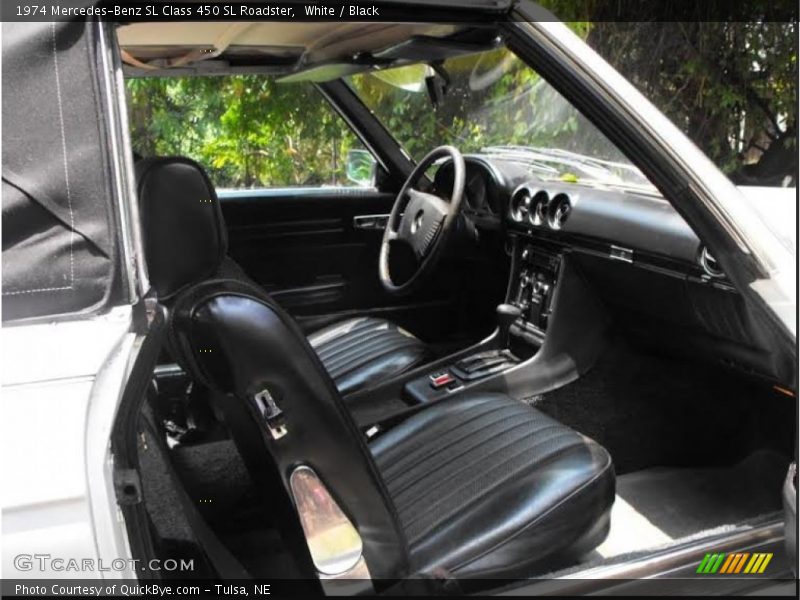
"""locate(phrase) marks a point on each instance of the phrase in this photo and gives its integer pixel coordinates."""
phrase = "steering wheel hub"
(417, 222)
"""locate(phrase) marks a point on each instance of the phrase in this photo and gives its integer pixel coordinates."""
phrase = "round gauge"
(475, 190)
(480, 187)
(443, 180)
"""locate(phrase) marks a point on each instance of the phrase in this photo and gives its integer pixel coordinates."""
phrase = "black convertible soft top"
(58, 234)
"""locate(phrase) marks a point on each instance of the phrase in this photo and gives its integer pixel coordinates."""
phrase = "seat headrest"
(185, 239)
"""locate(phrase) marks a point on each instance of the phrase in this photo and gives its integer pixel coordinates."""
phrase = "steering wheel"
(422, 221)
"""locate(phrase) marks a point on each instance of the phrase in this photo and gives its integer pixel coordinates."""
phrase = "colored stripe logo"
(735, 563)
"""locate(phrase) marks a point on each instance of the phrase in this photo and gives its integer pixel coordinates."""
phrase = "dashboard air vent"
(709, 264)
(558, 211)
(520, 205)
(539, 208)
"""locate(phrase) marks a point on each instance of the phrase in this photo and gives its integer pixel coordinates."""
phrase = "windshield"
(494, 104)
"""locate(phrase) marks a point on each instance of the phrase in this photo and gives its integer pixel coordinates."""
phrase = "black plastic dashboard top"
(625, 219)
(619, 217)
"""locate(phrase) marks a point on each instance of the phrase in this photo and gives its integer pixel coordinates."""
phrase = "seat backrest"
(185, 239)
(235, 339)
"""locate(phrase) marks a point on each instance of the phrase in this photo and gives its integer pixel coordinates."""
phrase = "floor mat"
(656, 506)
(654, 411)
(213, 474)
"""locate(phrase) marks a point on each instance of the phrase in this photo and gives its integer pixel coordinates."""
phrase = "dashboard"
(626, 225)
(642, 260)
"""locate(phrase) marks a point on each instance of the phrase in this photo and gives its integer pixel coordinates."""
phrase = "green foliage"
(731, 86)
(248, 130)
(492, 99)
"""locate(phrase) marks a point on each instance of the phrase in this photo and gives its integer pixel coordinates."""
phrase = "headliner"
(151, 46)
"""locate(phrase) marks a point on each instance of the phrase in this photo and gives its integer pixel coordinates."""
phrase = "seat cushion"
(360, 352)
(486, 486)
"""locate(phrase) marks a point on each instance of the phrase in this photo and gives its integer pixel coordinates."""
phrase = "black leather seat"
(485, 486)
(480, 485)
(178, 205)
(359, 351)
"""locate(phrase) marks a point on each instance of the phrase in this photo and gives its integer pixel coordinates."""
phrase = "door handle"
(370, 222)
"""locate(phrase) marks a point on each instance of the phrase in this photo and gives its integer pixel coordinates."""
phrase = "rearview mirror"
(360, 167)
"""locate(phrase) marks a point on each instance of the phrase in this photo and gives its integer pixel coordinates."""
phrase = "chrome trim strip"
(371, 222)
(620, 253)
(333, 541)
(122, 163)
(169, 369)
(225, 194)
(686, 554)
(655, 565)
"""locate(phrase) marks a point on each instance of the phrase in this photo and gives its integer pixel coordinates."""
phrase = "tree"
(247, 130)
(731, 86)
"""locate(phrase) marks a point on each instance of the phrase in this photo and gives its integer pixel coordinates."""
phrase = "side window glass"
(248, 131)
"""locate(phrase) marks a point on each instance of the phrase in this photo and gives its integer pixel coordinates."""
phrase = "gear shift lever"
(495, 360)
(506, 315)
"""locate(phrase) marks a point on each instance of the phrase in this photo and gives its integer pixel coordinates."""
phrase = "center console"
(522, 325)
(533, 284)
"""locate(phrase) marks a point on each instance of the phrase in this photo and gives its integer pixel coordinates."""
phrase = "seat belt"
(224, 562)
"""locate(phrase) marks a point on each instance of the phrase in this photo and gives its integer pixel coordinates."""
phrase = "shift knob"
(506, 315)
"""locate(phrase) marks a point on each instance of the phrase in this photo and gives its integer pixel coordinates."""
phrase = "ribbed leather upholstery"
(362, 351)
(486, 486)
(185, 236)
(478, 484)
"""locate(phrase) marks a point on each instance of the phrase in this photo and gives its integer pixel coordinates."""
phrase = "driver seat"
(182, 225)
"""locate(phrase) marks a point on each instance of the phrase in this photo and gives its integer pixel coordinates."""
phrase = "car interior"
(467, 371)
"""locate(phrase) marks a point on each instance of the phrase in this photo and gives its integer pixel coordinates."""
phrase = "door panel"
(316, 251)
